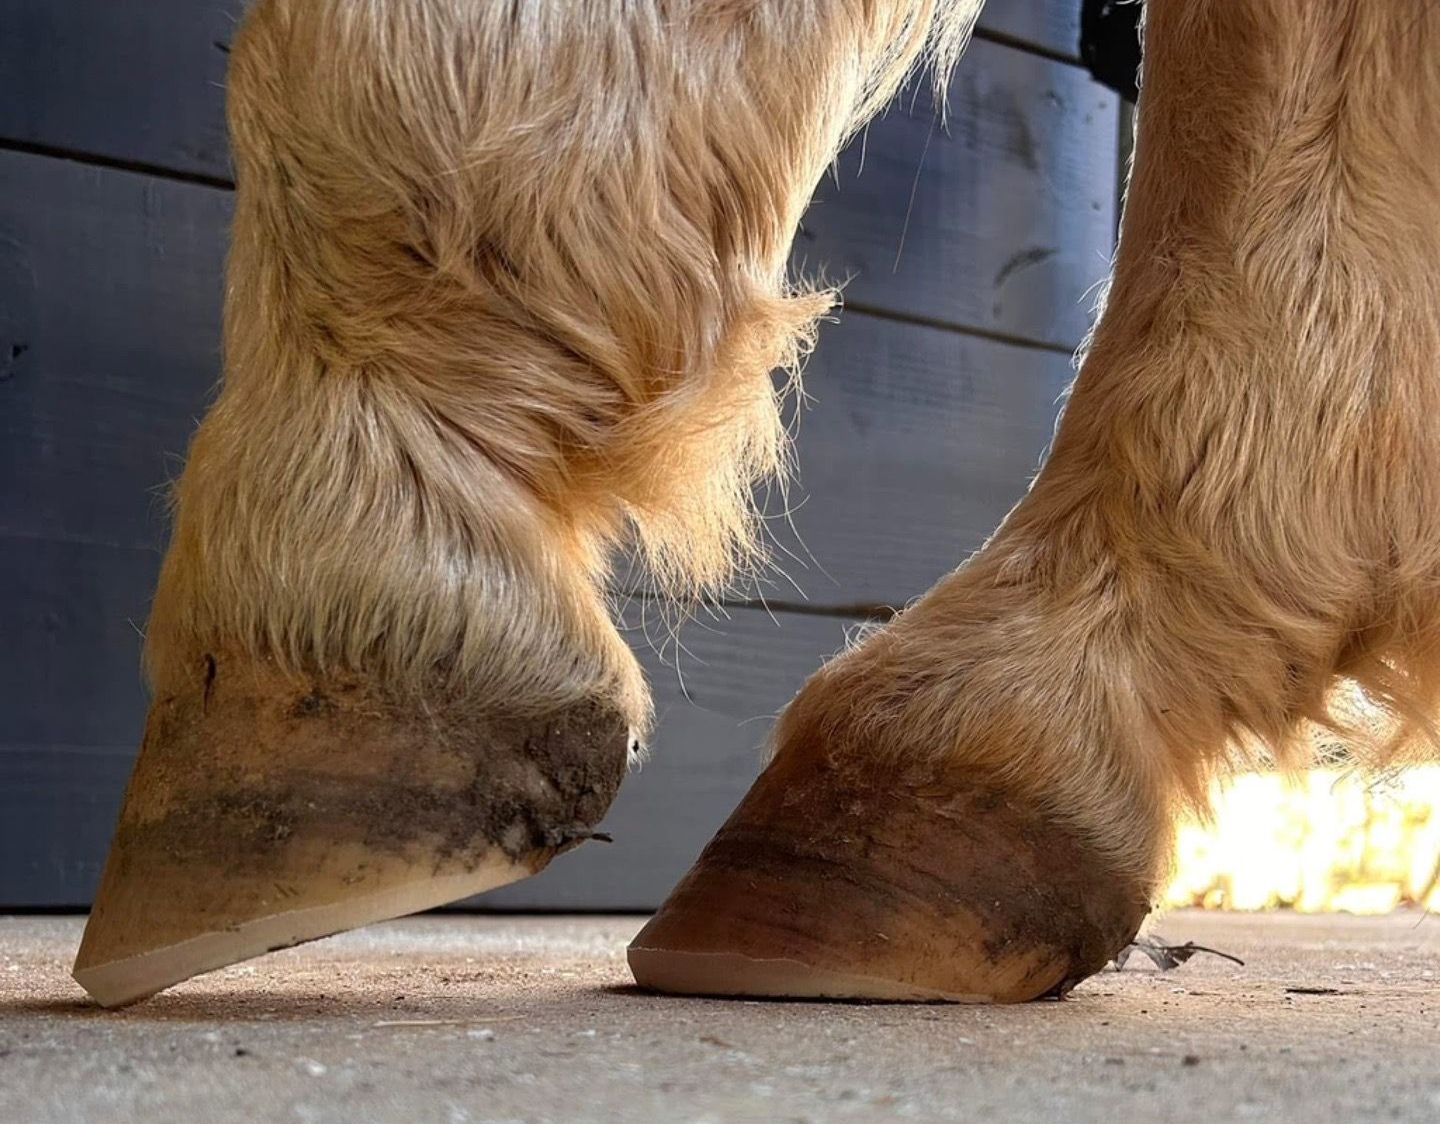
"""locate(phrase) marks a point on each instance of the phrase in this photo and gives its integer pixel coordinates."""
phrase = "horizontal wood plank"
(110, 288)
(1001, 220)
(74, 613)
(915, 444)
(1051, 25)
(58, 808)
(134, 82)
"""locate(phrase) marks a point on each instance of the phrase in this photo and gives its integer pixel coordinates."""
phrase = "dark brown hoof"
(860, 883)
(265, 811)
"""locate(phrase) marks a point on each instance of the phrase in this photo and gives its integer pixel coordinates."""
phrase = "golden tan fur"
(508, 279)
(1242, 502)
(505, 278)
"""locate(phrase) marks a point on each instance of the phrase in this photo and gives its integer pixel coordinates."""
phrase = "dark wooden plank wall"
(1050, 27)
(998, 221)
(971, 251)
(143, 83)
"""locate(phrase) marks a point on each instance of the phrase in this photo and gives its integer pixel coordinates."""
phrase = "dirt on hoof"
(233, 772)
(848, 881)
(265, 810)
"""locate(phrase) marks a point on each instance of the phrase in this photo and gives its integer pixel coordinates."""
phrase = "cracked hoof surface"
(266, 810)
(852, 881)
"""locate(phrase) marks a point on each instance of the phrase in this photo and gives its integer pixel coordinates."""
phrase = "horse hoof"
(853, 881)
(266, 810)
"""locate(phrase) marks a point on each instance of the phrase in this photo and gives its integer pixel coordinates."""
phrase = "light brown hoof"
(265, 811)
(852, 883)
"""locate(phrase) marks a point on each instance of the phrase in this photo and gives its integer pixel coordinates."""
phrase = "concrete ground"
(466, 1018)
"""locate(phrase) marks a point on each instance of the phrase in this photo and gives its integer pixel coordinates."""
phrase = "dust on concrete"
(466, 1018)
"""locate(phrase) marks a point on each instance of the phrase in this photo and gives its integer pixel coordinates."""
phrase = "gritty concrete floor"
(532, 1019)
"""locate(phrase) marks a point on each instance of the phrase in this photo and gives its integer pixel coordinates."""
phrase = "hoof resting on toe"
(844, 882)
(265, 811)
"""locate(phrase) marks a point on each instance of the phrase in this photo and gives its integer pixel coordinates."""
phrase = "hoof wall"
(837, 883)
(265, 811)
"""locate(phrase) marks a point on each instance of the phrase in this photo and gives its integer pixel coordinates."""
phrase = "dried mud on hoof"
(264, 811)
(853, 882)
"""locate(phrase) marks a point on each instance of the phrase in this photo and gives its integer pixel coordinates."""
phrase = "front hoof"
(848, 880)
(266, 810)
